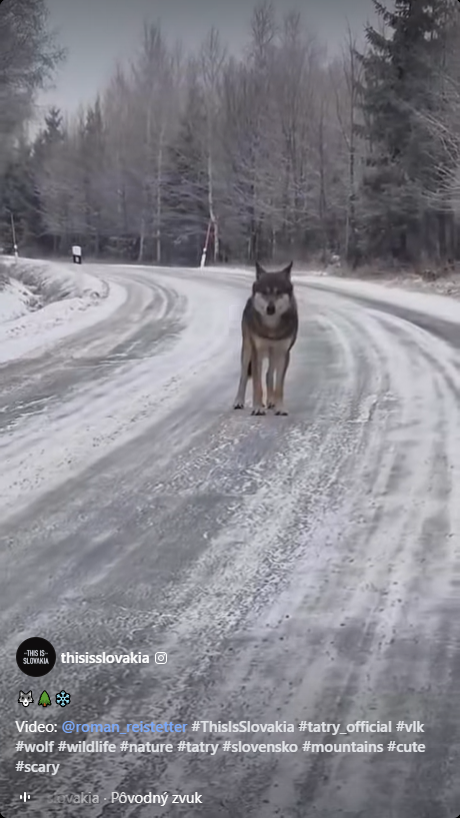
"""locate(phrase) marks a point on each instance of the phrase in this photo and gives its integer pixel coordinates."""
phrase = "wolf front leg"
(244, 375)
(257, 390)
(281, 367)
(270, 383)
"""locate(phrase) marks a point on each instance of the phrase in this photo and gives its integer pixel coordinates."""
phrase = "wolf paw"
(238, 405)
(281, 411)
(270, 405)
(258, 410)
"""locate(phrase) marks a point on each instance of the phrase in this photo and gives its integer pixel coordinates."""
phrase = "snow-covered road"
(299, 568)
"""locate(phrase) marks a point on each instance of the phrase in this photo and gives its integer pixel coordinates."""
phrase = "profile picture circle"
(35, 656)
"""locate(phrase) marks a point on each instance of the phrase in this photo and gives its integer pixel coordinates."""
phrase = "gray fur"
(269, 329)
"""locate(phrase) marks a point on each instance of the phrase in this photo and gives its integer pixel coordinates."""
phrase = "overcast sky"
(97, 32)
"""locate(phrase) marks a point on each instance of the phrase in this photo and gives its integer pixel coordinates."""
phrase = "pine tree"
(49, 178)
(17, 199)
(54, 130)
(93, 160)
(50, 136)
(186, 198)
(44, 699)
(401, 73)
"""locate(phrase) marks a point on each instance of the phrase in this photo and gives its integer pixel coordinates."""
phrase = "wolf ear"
(259, 270)
(287, 270)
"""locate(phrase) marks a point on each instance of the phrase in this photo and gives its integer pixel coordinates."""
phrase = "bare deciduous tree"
(212, 60)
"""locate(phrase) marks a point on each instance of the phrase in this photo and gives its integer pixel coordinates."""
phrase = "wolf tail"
(250, 369)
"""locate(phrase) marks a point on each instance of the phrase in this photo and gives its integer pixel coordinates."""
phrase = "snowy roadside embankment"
(15, 299)
(54, 281)
(42, 303)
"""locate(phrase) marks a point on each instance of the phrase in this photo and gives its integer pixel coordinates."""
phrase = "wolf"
(269, 329)
(25, 698)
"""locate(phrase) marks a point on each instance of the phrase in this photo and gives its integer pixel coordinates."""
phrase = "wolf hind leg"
(257, 391)
(281, 368)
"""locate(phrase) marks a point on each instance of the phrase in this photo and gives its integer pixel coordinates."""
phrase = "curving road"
(299, 568)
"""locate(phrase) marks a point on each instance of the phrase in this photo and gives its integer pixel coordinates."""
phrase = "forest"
(281, 151)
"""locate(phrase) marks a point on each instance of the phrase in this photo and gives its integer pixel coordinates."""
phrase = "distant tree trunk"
(450, 236)
(212, 215)
(159, 200)
(322, 192)
(351, 72)
(442, 237)
(140, 256)
(212, 59)
(350, 238)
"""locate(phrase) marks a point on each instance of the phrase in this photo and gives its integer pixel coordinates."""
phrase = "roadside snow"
(15, 300)
(54, 280)
(73, 300)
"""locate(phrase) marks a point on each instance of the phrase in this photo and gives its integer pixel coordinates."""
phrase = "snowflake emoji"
(62, 698)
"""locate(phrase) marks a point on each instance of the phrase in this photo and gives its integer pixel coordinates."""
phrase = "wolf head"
(25, 698)
(272, 292)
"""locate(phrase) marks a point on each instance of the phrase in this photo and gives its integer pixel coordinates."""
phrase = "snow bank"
(56, 281)
(71, 300)
(15, 300)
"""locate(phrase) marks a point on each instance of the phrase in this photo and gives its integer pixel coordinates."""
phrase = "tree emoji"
(44, 699)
